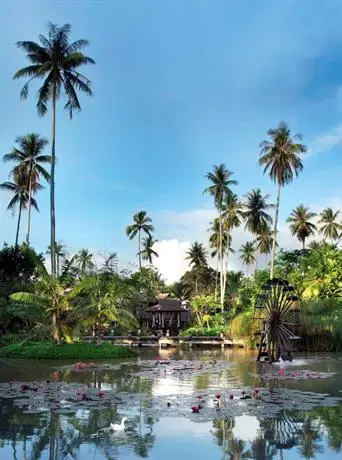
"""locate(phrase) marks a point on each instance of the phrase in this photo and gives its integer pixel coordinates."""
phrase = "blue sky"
(178, 86)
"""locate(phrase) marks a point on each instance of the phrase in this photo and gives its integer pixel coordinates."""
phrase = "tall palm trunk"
(225, 274)
(216, 274)
(18, 224)
(274, 242)
(52, 185)
(221, 257)
(29, 206)
(139, 253)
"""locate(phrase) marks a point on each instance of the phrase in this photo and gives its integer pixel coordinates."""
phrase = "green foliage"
(315, 273)
(49, 350)
(241, 327)
(202, 277)
(198, 331)
(203, 308)
(248, 291)
(321, 325)
(18, 264)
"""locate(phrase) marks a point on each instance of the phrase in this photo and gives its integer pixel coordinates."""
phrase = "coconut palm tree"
(220, 183)
(264, 241)
(141, 223)
(231, 217)
(300, 224)
(147, 251)
(18, 188)
(247, 254)
(330, 227)
(216, 244)
(197, 257)
(84, 260)
(60, 253)
(280, 157)
(29, 158)
(255, 212)
(110, 263)
(55, 60)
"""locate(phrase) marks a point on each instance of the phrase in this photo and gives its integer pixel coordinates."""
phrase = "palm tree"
(56, 60)
(247, 254)
(220, 179)
(29, 159)
(255, 212)
(300, 224)
(197, 257)
(264, 241)
(181, 291)
(147, 251)
(280, 157)
(215, 243)
(141, 223)
(20, 197)
(59, 254)
(111, 263)
(330, 227)
(231, 217)
(84, 259)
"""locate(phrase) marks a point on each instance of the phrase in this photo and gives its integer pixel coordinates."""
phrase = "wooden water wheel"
(277, 313)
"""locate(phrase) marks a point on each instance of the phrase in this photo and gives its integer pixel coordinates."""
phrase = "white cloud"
(171, 262)
(327, 141)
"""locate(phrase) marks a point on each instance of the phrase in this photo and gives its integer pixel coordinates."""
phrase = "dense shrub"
(50, 350)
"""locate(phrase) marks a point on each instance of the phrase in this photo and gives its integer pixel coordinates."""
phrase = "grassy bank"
(49, 350)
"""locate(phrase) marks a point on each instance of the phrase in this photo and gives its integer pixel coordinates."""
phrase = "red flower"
(218, 395)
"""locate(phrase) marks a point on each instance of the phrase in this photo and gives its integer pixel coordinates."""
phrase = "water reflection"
(85, 434)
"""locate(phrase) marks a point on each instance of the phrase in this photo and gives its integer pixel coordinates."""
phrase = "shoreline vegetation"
(50, 350)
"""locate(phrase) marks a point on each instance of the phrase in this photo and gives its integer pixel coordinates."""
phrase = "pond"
(179, 404)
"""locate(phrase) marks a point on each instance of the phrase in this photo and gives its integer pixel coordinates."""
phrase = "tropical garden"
(60, 296)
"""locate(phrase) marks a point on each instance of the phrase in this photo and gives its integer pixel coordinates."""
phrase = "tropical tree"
(107, 301)
(220, 183)
(300, 224)
(181, 290)
(60, 253)
(141, 223)
(330, 227)
(217, 240)
(264, 241)
(247, 254)
(18, 188)
(280, 157)
(255, 212)
(197, 257)
(147, 251)
(111, 263)
(232, 213)
(84, 259)
(29, 160)
(55, 60)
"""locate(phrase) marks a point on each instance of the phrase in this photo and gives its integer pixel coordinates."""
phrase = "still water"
(160, 423)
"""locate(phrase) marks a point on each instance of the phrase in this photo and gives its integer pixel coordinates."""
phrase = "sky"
(178, 87)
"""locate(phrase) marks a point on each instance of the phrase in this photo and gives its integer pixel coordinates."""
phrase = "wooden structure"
(278, 317)
(168, 341)
(167, 316)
